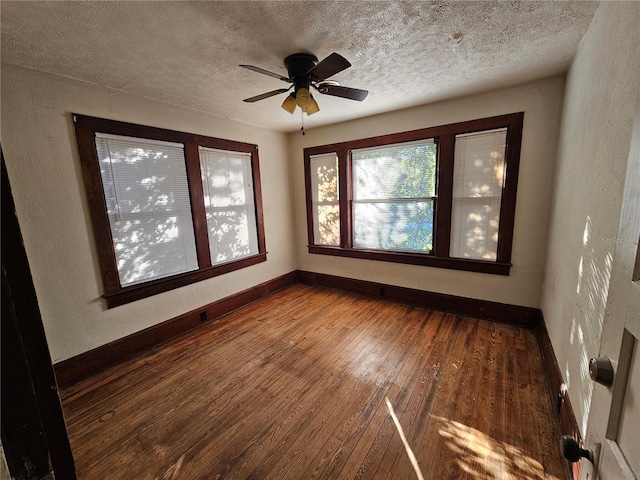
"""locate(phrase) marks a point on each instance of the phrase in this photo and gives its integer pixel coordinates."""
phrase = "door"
(34, 436)
(613, 430)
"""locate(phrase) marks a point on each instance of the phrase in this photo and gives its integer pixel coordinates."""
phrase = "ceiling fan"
(305, 72)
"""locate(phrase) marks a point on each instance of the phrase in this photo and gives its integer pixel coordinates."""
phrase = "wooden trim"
(510, 189)
(499, 312)
(458, 128)
(257, 199)
(444, 202)
(97, 207)
(469, 265)
(445, 137)
(198, 212)
(116, 127)
(344, 192)
(136, 292)
(21, 420)
(620, 385)
(557, 393)
(636, 268)
(308, 197)
(21, 313)
(114, 293)
(81, 366)
(345, 197)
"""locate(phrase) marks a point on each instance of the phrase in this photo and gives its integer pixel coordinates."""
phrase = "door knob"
(572, 451)
(601, 371)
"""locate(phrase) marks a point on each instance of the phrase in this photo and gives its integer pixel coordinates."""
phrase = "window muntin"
(490, 258)
(394, 196)
(325, 199)
(229, 204)
(478, 180)
(147, 196)
(171, 216)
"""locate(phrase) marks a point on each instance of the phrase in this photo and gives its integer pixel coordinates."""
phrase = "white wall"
(4, 469)
(40, 150)
(541, 101)
(602, 94)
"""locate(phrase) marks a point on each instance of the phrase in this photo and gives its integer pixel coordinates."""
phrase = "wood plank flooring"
(293, 386)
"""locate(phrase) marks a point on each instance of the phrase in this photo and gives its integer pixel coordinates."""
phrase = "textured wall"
(600, 103)
(541, 103)
(39, 146)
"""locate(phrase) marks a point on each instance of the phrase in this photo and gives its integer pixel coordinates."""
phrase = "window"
(168, 208)
(442, 196)
(478, 177)
(324, 198)
(229, 204)
(393, 196)
(147, 199)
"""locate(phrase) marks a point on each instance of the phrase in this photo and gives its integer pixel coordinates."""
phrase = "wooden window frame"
(114, 294)
(444, 136)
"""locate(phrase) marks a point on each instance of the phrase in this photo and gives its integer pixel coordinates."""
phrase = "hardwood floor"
(294, 386)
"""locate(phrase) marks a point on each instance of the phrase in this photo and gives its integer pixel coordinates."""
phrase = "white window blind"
(325, 198)
(393, 196)
(148, 205)
(478, 177)
(228, 199)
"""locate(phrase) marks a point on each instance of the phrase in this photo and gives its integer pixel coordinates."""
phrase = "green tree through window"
(394, 196)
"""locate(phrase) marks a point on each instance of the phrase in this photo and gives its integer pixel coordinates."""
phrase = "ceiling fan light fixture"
(290, 103)
(303, 98)
(312, 107)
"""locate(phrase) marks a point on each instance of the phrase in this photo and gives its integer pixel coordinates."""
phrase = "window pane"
(324, 193)
(406, 170)
(393, 192)
(404, 226)
(148, 205)
(478, 175)
(229, 203)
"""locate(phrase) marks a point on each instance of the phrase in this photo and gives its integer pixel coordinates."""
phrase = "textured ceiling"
(187, 53)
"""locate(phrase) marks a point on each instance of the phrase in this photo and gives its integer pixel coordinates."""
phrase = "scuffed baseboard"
(86, 364)
(558, 395)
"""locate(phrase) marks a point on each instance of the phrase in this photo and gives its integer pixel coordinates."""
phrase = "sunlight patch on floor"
(410, 454)
(486, 458)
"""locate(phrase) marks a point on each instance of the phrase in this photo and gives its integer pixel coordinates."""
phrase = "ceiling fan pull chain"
(302, 121)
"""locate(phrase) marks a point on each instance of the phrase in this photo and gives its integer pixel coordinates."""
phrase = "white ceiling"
(187, 53)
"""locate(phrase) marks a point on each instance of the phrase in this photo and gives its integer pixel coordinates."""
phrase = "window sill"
(426, 260)
(137, 292)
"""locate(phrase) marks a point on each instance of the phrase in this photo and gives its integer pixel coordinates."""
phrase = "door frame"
(26, 321)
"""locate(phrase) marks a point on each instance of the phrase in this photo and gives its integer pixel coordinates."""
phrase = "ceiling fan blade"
(266, 95)
(266, 72)
(328, 67)
(344, 92)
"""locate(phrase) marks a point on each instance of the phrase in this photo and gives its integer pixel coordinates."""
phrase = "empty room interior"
(320, 239)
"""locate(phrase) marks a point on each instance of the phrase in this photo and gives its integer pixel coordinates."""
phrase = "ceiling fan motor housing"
(297, 66)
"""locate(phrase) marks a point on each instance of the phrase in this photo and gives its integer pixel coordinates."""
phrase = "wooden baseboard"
(498, 312)
(558, 395)
(81, 366)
